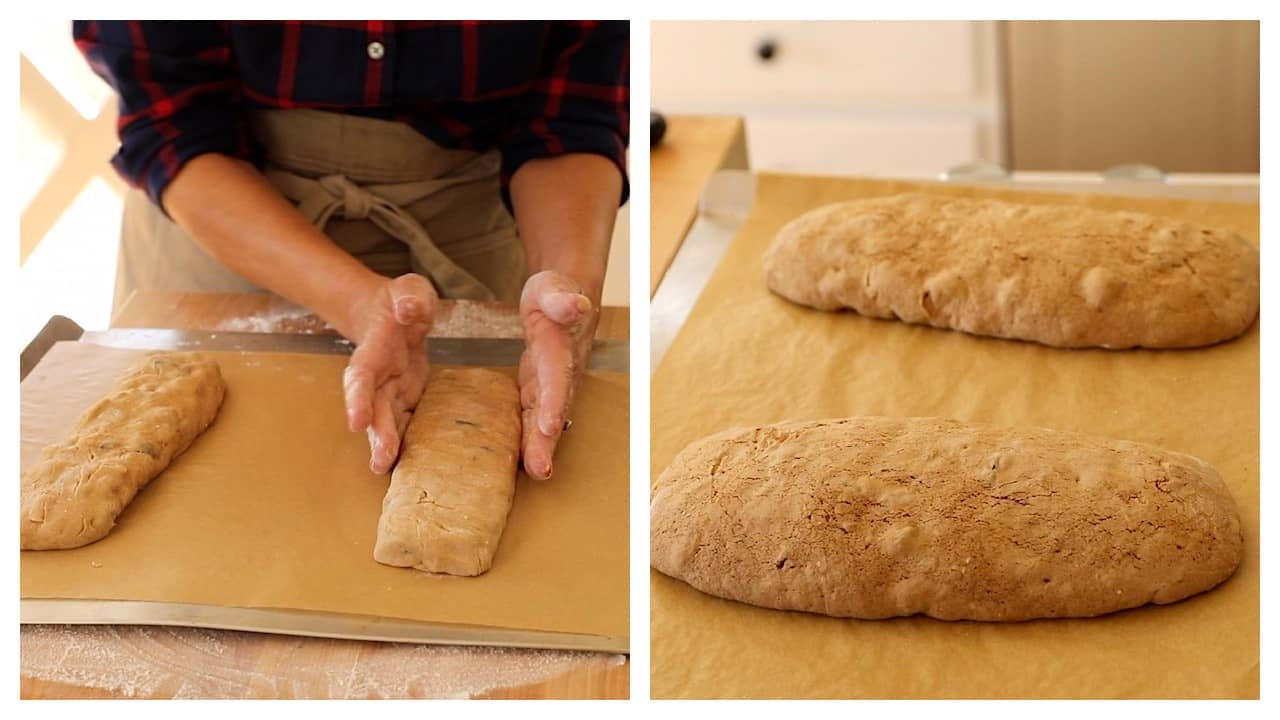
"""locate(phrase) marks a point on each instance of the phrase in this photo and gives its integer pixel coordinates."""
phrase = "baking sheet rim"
(71, 611)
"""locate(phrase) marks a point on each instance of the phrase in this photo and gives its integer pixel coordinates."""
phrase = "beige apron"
(390, 197)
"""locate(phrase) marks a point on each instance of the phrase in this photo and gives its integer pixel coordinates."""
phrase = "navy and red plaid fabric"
(531, 89)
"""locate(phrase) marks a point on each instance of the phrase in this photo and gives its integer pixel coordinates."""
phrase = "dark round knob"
(767, 49)
(657, 128)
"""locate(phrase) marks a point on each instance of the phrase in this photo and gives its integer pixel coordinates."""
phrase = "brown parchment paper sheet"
(746, 356)
(274, 507)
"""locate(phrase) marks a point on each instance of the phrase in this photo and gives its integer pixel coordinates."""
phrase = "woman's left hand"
(559, 324)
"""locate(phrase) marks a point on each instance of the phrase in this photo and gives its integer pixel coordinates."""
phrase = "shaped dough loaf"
(1058, 275)
(877, 517)
(73, 494)
(451, 491)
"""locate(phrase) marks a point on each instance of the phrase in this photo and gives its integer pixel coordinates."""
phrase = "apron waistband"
(315, 143)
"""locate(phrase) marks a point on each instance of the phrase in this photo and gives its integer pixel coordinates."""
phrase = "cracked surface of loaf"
(74, 492)
(450, 493)
(878, 517)
(1059, 275)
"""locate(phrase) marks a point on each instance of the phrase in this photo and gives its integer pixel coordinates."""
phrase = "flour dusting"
(470, 318)
(147, 662)
(454, 318)
(289, 319)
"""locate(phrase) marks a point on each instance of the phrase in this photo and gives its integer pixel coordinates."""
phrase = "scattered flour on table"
(460, 318)
(470, 318)
(140, 661)
(287, 320)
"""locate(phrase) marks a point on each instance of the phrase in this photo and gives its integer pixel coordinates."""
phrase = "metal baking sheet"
(606, 355)
(801, 363)
(305, 624)
(566, 537)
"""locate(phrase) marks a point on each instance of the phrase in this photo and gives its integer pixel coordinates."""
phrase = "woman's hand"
(565, 207)
(228, 207)
(388, 370)
(559, 324)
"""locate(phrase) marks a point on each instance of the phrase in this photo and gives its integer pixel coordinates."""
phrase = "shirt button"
(376, 50)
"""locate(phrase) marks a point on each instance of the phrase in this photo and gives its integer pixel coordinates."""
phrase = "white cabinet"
(868, 98)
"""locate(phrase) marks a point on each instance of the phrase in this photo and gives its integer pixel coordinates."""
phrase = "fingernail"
(373, 438)
(547, 426)
(583, 303)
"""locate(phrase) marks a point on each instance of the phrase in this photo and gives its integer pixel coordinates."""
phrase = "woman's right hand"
(388, 323)
(228, 207)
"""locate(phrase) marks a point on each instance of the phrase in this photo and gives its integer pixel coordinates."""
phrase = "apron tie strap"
(319, 200)
(356, 201)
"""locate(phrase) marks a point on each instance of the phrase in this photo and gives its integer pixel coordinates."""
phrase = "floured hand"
(559, 324)
(388, 370)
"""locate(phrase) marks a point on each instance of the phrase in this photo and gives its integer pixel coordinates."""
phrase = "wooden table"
(591, 675)
(694, 148)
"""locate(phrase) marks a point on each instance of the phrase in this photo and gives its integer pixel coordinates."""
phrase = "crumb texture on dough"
(452, 488)
(74, 492)
(877, 517)
(1059, 275)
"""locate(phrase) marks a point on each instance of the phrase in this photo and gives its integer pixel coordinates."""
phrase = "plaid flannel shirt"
(531, 89)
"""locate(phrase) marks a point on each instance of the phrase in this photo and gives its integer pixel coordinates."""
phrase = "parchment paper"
(746, 356)
(274, 507)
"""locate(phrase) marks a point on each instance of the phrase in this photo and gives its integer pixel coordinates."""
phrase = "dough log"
(1058, 275)
(75, 491)
(452, 488)
(879, 517)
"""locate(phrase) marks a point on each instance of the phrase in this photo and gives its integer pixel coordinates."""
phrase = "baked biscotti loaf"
(877, 517)
(1058, 275)
(74, 492)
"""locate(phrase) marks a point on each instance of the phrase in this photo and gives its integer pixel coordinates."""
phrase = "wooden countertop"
(694, 148)
(591, 675)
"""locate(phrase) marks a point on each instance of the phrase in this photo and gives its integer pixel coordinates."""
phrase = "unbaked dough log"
(878, 517)
(1059, 275)
(75, 491)
(451, 490)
